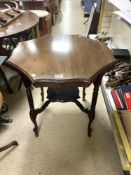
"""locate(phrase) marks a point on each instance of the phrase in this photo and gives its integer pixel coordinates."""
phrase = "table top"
(56, 60)
(22, 23)
(40, 13)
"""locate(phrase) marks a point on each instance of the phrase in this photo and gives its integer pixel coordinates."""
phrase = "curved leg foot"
(91, 118)
(89, 131)
(35, 130)
(33, 116)
(13, 143)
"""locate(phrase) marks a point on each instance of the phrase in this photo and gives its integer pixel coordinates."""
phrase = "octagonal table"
(60, 62)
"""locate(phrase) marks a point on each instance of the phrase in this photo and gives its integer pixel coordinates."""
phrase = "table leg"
(13, 143)
(42, 94)
(91, 113)
(84, 93)
(34, 112)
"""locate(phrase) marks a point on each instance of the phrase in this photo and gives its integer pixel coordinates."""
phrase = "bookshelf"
(120, 136)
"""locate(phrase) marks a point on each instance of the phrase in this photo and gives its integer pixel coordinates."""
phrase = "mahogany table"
(61, 61)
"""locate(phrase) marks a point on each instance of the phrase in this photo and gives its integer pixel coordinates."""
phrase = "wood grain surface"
(61, 59)
(24, 22)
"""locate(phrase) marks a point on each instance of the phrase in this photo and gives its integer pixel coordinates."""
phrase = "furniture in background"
(60, 62)
(27, 21)
(45, 24)
(17, 29)
(3, 109)
(5, 120)
(52, 6)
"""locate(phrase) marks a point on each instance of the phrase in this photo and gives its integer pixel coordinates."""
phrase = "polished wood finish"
(20, 25)
(24, 22)
(61, 61)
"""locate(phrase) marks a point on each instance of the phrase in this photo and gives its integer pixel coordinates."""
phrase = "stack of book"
(122, 97)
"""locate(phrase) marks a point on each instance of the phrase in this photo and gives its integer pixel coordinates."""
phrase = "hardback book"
(117, 100)
(125, 91)
(121, 91)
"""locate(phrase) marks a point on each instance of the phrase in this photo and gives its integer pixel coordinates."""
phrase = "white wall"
(120, 31)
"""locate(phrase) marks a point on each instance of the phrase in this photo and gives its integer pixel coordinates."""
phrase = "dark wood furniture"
(52, 6)
(21, 24)
(18, 27)
(45, 24)
(61, 61)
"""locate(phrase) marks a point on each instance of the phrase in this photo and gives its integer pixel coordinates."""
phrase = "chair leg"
(84, 93)
(42, 94)
(20, 84)
(13, 143)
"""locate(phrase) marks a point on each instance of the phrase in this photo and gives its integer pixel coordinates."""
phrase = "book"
(117, 100)
(120, 91)
(125, 91)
